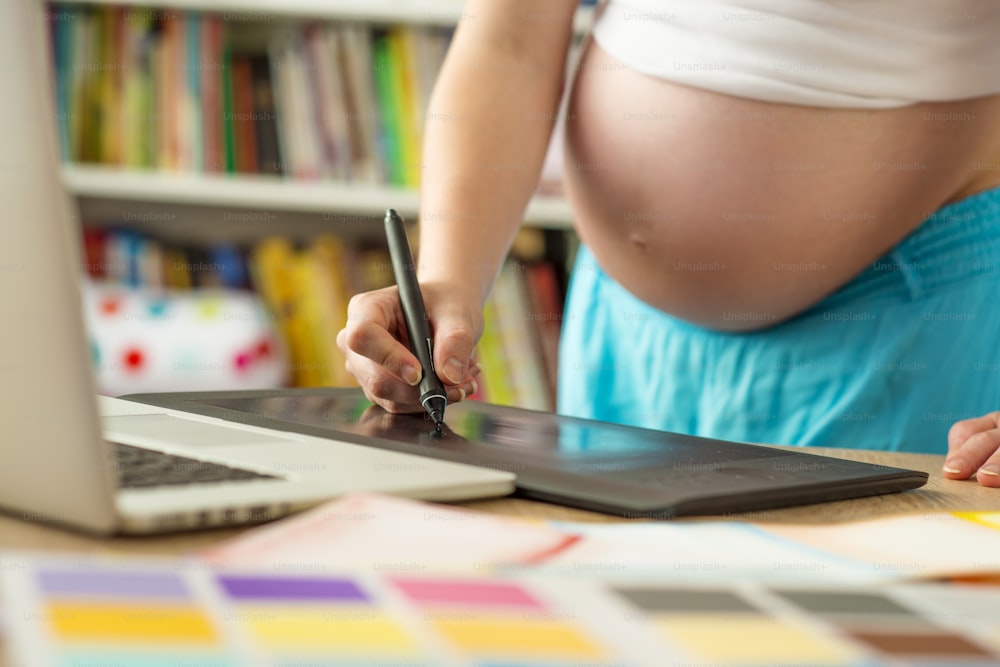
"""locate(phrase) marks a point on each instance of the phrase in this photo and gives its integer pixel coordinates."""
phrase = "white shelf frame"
(270, 193)
(427, 12)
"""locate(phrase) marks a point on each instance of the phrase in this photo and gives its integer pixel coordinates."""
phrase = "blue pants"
(888, 362)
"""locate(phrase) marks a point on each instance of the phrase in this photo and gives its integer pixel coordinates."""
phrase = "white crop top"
(830, 53)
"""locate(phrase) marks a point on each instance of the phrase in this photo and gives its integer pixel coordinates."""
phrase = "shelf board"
(429, 12)
(440, 12)
(271, 193)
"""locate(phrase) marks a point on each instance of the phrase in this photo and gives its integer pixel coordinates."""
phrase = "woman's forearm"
(487, 129)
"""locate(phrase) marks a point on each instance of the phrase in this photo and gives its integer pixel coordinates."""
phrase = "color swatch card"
(389, 534)
(134, 613)
(891, 549)
(397, 535)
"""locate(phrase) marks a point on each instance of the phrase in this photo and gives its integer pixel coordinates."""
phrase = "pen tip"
(435, 405)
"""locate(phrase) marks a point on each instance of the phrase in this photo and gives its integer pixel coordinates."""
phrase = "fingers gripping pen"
(432, 394)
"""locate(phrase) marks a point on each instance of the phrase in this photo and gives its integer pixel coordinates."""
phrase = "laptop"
(112, 465)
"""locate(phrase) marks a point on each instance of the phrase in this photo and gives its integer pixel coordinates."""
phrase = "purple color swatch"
(106, 583)
(291, 588)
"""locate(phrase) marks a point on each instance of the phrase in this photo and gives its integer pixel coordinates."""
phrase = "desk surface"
(938, 495)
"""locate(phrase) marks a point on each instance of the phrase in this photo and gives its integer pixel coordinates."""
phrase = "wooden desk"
(938, 495)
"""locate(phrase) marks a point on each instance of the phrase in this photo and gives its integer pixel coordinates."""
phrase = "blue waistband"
(955, 245)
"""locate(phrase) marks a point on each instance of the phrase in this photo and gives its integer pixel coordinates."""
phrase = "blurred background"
(231, 161)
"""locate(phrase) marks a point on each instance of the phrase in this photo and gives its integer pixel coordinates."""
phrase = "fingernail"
(461, 394)
(454, 370)
(990, 470)
(954, 465)
(411, 375)
(479, 368)
(475, 387)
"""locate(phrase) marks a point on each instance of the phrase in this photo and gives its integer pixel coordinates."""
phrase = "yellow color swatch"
(502, 635)
(988, 519)
(347, 631)
(742, 639)
(135, 622)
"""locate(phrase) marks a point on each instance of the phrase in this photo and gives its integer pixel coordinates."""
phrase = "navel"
(635, 238)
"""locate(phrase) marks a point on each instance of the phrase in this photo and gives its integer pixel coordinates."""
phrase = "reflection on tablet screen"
(473, 426)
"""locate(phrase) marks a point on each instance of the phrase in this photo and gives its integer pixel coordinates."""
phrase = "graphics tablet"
(593, 465)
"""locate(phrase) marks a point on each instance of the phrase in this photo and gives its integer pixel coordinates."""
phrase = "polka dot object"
(209, 308)
(133, 359)
(157, 307)
(152, 340)
(110, 306)
(242, 361)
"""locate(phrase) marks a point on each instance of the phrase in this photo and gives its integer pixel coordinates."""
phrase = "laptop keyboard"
(140, 468)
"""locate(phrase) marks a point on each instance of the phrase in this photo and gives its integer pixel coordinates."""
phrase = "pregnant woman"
(789, 213)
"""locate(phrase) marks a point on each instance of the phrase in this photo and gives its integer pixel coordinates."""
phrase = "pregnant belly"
(733, 213)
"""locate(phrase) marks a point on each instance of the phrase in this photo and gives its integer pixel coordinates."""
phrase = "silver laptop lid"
(52, 459)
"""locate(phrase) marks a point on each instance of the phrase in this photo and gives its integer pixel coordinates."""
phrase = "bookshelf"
(148, 189)
(115, 192)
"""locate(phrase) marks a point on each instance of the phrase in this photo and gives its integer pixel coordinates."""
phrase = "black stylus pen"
(432, 395)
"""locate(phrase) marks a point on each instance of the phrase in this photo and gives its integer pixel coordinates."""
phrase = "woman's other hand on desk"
(374, 342)
(974, 449)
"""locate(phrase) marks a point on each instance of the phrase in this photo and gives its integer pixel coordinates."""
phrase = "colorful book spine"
(326, 101)
(297, 134)
(520, 347)
(98, 57)
(111, 93)
(160, 71)
(228, 128)
(140, 93)
(494, 384)
(268, 153)
(84, 69)
(194, 144)
(546, 313)
(211, 77)
(245, 140)
(181, 123)
(402, 54)
(354, 57)
(327, 297)
(61, 35)
(388, 107)
(280, 100)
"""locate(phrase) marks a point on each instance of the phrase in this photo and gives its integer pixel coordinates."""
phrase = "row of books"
(131, 258)
(306, 287)
(520, 343)
(352, 100)
(165, 89)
